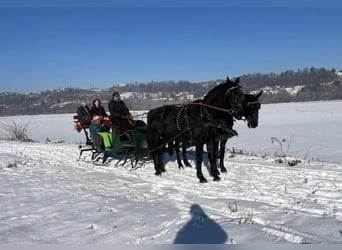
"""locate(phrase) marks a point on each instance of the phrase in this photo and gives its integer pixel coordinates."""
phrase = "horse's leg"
(199, 158)
(155, 156)
(179, 162)
(212, 147)
(152, 141)
(222, 152)
(161, 161)
(185, 158)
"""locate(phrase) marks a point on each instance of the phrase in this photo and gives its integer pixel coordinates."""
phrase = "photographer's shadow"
(200, 229)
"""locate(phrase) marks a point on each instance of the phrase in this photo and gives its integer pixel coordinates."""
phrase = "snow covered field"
(315, 129)
(47, 196)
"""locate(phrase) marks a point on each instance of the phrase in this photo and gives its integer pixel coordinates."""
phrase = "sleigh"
(130, 146)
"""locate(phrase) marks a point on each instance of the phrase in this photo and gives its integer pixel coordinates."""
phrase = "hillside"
(309, 84)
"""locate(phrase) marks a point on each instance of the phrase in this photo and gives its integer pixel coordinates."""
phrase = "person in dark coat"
(120, 115)
(98, 109)
(83, 113)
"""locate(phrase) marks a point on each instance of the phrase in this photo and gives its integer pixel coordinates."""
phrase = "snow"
(294, 90)
(312, 130)
(47, 196)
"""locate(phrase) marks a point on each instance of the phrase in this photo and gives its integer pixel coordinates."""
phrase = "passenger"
(83, 113)
(121, 117)
(97, 126)
(98, 109)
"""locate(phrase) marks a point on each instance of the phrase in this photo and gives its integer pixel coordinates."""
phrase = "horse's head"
(234, 98)
(252, 106)
(229, 96)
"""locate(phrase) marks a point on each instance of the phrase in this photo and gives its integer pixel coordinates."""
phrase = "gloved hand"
(127, 116)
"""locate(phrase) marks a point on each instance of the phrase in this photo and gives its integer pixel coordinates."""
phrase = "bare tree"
(16, 130)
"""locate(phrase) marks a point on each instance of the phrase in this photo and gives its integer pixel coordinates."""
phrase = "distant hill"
(308, 84)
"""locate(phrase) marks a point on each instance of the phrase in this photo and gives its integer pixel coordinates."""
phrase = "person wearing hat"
(97, 126)
(83, 112)
(120, 115)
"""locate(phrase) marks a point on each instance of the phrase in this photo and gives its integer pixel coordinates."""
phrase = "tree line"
(315, 84)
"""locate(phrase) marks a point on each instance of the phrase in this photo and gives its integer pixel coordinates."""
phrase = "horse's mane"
(212, 96)
(250, 98)
(213, 93)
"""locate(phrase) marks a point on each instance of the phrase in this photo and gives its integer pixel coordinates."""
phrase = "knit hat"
(115, 93)
(83, 101)
(97, 119)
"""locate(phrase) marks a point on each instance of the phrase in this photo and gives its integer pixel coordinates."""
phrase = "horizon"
(46, 47)
(145, 83)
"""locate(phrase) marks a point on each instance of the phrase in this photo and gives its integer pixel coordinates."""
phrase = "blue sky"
(86, 45)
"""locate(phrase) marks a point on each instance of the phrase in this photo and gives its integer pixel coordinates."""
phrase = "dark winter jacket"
(98, 127)
(117, 109)
(83, 113)
(98, 111)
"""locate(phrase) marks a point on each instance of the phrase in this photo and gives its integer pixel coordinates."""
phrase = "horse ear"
(258, 95)
(228, 80)
(237, 80)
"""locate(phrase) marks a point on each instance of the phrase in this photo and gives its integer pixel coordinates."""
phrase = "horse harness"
(183, 122)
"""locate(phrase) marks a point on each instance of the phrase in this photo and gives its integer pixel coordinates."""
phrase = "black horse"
(199, 123)
(251, 114)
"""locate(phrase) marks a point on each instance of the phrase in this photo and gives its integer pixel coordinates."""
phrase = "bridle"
(251, 112)
(256, 103)
(235, 101)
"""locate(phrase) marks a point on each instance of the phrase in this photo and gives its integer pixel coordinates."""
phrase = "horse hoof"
(217, 178)
(203, 181)
(223, 170)
(188, 165)
(157, 173)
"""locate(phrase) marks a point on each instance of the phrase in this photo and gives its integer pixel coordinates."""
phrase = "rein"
(164, 144)
(229, 111)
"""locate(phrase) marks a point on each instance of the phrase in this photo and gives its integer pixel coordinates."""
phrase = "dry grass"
(16, 130)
